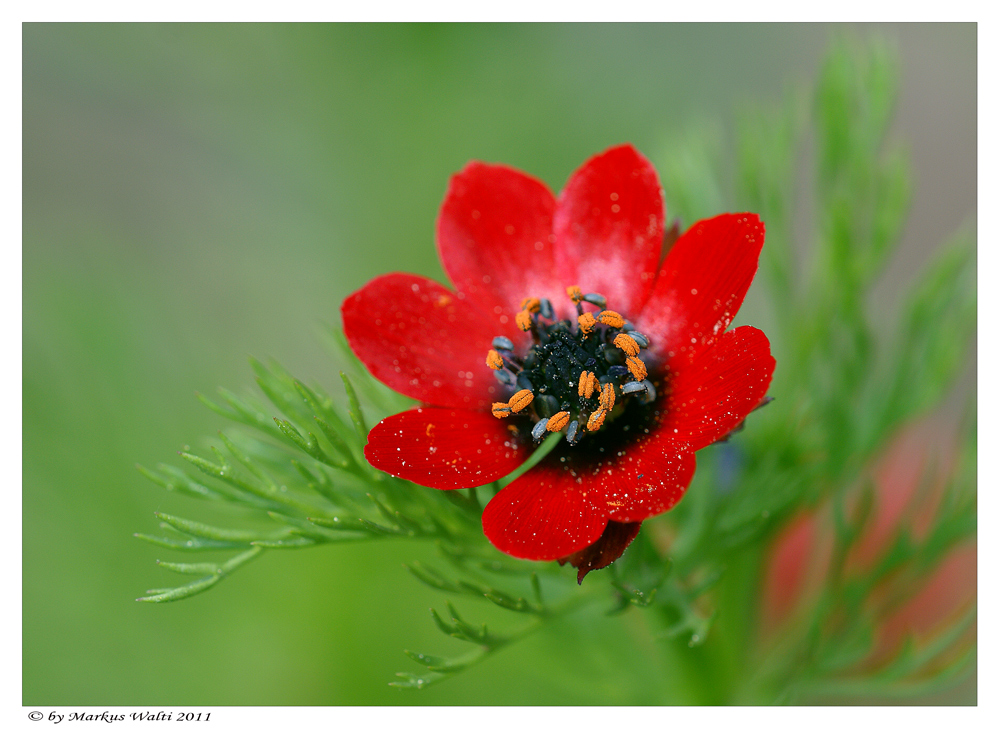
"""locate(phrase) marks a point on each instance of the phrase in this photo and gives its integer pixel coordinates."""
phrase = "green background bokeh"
(197, 194)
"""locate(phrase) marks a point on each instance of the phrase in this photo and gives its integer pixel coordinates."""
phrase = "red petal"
(494, 236)
(713, 393)
(609, 228)
(635, 478)
(702, 284)
(445, 449)
(544, 514)
(423, 340)
(604, 551)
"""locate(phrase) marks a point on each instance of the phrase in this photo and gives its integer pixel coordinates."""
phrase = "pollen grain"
(636, 368)
(596, 420)
(501, 410)
(607, 399)
(628, 345)
(493, 360)
(557, 422)
(612, 319)
(520, 400)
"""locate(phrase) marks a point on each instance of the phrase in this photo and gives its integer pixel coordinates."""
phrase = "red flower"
(639, 375)
(910, 480)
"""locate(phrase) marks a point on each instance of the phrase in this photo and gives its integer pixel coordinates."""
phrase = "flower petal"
(445, 448)
(701, 284)
(544, 514)
(714, 392)
(423, 341)
(661, 476)
(638, 479)
(494, 237)
(609, 228)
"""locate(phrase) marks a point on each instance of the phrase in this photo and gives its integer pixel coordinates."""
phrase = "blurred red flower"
(587, 334)
(909, 481)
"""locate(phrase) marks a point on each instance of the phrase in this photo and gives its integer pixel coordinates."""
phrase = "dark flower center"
(572, 378)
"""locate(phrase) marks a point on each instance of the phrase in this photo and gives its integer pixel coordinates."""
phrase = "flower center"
(571, 379)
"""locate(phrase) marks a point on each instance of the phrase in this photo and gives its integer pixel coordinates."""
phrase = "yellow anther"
(612, 319)
(596, 420)
(557, 422)
(520, 400)
(587, 323)
(501, 410)
(607, 398)
(531, 304)
(628, 345)
(493, 360)
(636, 367)
(575, 294)
(523, 319)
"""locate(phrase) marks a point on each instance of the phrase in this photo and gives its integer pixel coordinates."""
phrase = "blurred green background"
(197, 194)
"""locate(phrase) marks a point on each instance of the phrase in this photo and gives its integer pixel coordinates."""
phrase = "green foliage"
(303, 471)
(846, 382)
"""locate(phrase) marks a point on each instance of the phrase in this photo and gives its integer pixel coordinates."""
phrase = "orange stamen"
(493, 360)
(636, 367)
(557, 422)
(500, 410)
(588, 383)
(596, 420)
(607, 399)
(520, 400)
(531, 304)
(587, 323)
(612, 319)
(523, 319)
(575, 294)
(628, 345)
